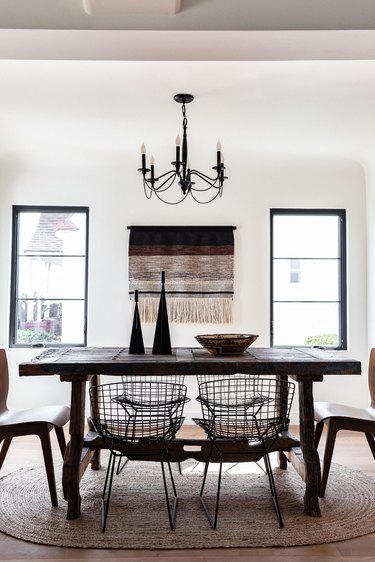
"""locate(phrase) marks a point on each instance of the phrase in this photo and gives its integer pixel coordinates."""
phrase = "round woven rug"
(138, 517)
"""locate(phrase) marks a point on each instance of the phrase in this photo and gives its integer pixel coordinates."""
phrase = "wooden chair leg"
(328, 452)
(370, 441)
(61, 439)
(318, 433)
(48, 461)
(4, 449)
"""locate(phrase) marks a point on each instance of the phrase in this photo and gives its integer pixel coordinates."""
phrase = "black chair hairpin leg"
(172, 509)
(121, 466)
(212, 519)
(267, 463)
(106, 495)
(206, 468)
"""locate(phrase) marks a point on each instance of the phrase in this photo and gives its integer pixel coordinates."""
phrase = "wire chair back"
(245, 407)
(138, 411)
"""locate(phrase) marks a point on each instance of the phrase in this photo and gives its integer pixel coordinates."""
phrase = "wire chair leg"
(212, 519)
(107, 489)
(206, 469)
(172, 509)
(120, 467)
(171, 476)
(271, 480)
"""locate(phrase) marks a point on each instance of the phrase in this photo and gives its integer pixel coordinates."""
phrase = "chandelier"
(182, 171)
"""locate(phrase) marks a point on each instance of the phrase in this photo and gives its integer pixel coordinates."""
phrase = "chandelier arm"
(173, 172)
(212, 182)
(171, 179)
(204, 176)
(147, 189)
(171, 202)
(171, 176)
(217, 194)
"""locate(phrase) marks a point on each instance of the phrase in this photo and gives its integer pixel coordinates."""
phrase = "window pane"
(51, 277)
(306, 324)
(48, 321)
(52, 233)
(318, 280)
(305, 236)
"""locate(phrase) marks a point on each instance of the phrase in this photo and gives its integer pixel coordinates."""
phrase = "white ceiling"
(261, 91)
(192, 15)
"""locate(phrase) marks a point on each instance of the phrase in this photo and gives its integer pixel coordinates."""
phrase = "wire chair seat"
(243, 407)
(138, 413)
(250, 429)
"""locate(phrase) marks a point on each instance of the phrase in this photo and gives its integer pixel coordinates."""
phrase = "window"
(49, 276)
(308, 278)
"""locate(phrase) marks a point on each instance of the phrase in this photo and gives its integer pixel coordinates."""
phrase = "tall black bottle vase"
(136, 338)
(162, 339)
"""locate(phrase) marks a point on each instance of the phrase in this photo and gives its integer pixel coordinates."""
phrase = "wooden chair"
(35, 421)
(339, 416)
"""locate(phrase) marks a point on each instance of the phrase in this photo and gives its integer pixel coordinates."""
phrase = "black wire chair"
(138, 418)
(175, 379)
(243, 407)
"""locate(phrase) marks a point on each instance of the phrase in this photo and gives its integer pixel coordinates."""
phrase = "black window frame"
(342, 286)
(16, 211)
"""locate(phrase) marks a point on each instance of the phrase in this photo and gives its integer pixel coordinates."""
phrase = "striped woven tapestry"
(198, 265)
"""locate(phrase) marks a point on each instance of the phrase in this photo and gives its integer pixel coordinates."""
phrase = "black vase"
(136, 338)
(162, 339)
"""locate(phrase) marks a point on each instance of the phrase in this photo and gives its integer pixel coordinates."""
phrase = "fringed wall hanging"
(198, 262)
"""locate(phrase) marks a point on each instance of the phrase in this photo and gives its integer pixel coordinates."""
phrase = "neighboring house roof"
(44, 239)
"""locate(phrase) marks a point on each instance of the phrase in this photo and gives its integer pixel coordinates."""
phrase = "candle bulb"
(218, 155)
(178, 145)
(143, 152)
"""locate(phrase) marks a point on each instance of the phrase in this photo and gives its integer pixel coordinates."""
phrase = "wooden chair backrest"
(371, 377)
(4, 380)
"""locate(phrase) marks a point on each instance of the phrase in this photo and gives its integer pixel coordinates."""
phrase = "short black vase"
(136, 338)
(162, 339)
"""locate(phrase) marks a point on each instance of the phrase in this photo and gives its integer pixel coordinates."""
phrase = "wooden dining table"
(79, 365)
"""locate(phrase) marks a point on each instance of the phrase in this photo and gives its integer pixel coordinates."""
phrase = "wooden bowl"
(226, 344)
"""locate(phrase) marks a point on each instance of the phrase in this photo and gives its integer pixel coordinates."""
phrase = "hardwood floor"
(351, 450)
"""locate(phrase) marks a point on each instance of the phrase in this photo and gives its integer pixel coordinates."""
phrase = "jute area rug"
(138, 517)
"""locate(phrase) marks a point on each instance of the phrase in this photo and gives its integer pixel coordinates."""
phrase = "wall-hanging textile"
(198, 265)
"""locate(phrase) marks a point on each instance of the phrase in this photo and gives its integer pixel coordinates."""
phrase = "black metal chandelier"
(182, 170)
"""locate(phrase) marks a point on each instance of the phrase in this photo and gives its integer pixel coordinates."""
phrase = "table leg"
(310, 456)
(95, 459)
(72, 459)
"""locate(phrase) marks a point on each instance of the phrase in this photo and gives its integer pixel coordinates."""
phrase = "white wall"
(112, 189)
